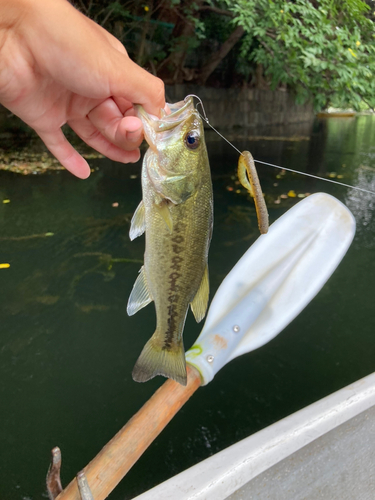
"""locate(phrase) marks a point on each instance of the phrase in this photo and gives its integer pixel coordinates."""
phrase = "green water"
(67, 346)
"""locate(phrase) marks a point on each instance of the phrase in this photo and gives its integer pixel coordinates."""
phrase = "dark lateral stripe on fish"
(176, 261)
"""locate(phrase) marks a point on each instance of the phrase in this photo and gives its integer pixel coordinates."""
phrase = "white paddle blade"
(275, 279)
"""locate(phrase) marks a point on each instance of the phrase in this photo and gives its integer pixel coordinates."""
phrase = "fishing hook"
(207, 121)
(196, 107)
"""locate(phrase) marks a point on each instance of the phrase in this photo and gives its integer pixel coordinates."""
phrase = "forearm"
(57, 66)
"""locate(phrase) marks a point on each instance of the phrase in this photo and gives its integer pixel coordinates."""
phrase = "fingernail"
(134, 136)
(139, 156)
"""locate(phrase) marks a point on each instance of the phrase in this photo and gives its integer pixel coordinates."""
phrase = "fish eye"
(192, 139)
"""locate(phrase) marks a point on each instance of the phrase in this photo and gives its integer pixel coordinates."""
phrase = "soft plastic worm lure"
(248, 177)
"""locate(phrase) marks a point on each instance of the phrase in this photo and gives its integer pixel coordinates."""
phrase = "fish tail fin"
(158, 359)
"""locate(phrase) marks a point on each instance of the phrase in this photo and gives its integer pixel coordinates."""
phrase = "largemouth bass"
(176, 214)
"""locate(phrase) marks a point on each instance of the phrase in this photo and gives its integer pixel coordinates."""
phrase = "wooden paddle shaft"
(107, 469)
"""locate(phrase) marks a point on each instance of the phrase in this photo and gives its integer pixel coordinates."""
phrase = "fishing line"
(317, 177)
(271, 164)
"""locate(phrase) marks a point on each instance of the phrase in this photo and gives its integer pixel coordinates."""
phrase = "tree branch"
(368, 104)
(218, 56)
(268, 49)
(222, 12)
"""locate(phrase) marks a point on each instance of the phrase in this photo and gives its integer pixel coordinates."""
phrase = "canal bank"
(226, 108)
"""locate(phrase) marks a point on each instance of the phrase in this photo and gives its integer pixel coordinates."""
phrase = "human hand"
(57, 66)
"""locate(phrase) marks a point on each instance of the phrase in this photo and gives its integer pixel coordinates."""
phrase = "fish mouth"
(180, 111)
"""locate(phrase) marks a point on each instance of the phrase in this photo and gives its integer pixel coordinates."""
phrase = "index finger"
(138, 86)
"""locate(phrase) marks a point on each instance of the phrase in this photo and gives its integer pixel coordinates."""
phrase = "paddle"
(275, 279)
(273, 282)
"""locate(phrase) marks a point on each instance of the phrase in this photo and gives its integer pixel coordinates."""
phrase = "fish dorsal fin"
(140, 295)
(138, 223)
(165, 214)
(200, 301)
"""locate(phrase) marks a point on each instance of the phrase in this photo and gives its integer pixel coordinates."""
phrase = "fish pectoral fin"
(140, 295)
(164, 212)
(200, 301)
(138, 223)
(176, 188)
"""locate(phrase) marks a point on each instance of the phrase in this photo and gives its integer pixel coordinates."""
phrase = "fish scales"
(174, 263)
(177, 211)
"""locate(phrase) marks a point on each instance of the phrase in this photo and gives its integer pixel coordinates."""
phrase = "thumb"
(138, 86)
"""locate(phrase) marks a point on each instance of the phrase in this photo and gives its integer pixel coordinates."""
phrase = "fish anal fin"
(165, 214)
(140, 295)
(156, 360)
(138, 223)
(200, 301)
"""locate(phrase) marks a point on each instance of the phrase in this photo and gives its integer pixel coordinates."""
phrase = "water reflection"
(362, 205)
(67, 346)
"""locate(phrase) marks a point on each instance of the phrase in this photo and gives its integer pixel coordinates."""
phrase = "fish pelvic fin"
(200, 301)
(138, 222)
(156, 359)
(140, 295)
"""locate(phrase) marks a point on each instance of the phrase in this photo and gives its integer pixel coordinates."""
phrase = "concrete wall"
(228, 108)
(250, 108)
